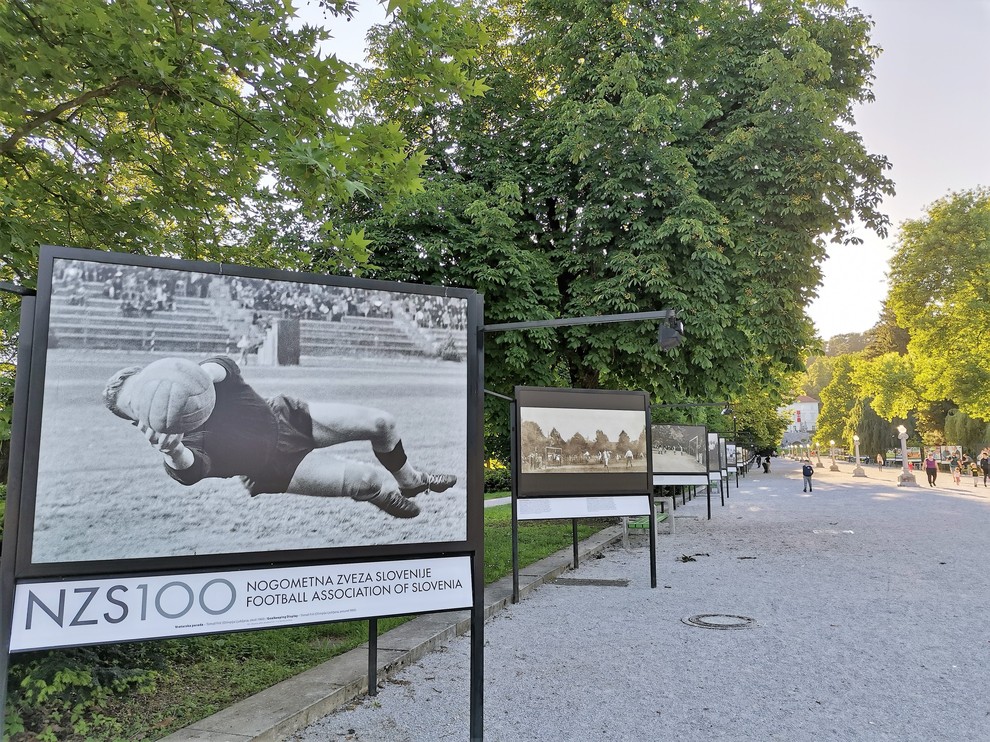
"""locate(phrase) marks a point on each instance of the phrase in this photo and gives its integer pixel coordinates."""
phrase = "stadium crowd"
(141, 292)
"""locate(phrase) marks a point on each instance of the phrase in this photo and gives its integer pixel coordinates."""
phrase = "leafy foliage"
(940, 293)
(876, 435)
(629, 157)
(962, 430)
(200, 129)
(817, 375)
(890, 381)
(886, 336)
(852, 342)
(837, 401)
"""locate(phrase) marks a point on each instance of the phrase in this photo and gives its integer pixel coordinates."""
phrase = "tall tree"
(850, 342)
(940, 293)
(962, 430)
(639, 155)
(838, 400)
(149, 126)
(817, 375)
(886, 336)
(875, 433)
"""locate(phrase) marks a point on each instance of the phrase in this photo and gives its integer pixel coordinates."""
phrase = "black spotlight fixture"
(670, 334)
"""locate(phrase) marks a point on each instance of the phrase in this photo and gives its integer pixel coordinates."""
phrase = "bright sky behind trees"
(930, 119)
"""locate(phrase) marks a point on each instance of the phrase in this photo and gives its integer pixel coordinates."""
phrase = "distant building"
(803, 414)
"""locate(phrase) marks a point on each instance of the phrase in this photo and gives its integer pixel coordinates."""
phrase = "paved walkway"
(863, 609)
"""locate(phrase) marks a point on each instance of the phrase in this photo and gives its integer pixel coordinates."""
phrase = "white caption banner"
(545, 508)
(103, 610)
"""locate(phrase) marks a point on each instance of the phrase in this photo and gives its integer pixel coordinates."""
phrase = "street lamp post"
(818, 453)
(834, 466)
(857, 470)
(906, 479)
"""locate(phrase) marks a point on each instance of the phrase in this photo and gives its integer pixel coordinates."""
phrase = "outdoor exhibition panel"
(680, 454)
(580, 453)
(714, 458)
(329, 467)
(578, 443)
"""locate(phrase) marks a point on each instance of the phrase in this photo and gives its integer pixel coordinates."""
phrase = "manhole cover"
(596, 583)
(719, 621)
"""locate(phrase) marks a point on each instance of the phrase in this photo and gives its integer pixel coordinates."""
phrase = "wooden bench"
(642, 522)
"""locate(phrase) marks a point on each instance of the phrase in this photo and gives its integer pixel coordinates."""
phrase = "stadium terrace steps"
(320, 338)
(194, 327)
(99, 324)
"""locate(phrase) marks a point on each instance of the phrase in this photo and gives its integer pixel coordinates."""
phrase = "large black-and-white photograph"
(580, 442)
(191, 413)
(565, 440)
(679, 449)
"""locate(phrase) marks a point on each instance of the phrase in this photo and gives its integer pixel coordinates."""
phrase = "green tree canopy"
(168, 127)
(838, 400)
(817, 375)
(962, 430)
(850, 342)
(632, 156)
(940, 293)
(205, 129)
(889, 380)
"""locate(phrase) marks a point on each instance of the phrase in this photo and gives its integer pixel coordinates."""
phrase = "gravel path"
(869, 605)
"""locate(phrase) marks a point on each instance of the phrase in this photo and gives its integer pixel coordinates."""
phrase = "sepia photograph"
(562, 440)
(581, 442)
(679, 449)
(189, 413)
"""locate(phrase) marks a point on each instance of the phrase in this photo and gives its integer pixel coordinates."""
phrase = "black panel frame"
(584, 484)
(27, 491)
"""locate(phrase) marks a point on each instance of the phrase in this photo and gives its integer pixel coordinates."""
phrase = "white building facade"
(803, 414)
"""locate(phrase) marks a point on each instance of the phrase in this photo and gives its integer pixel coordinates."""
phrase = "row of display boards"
(252, 510)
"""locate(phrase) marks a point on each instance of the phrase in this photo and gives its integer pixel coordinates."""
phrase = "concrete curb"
(279, 711)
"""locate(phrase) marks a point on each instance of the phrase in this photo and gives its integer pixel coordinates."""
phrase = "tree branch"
(38, 29)
(7, 146)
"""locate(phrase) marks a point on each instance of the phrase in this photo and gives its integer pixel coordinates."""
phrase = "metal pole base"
(858, 472)
(906, 479)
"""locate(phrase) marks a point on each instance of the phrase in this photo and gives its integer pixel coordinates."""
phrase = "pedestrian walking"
(807, 471)
(931, 469)
(880, 461)
(985, 465)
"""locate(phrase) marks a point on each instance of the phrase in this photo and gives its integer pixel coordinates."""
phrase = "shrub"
(497, 476)
(61, 694)
(447, 350)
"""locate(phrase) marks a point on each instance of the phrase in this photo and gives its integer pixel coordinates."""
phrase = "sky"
(930, 119)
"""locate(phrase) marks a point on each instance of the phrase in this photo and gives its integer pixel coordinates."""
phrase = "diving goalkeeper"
(268, 443)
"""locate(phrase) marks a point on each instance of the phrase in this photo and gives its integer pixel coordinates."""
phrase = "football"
(172, 395)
